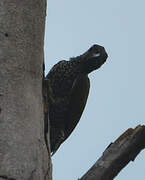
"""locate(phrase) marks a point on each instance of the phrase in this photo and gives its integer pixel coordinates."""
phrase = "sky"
(116, 101)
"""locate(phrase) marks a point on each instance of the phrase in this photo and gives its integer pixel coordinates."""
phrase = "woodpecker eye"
(96, 55)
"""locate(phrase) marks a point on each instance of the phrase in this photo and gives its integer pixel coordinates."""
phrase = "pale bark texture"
(23, 152)
(118, 155)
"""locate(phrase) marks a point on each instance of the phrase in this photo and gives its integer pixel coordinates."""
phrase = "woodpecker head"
(93, 59)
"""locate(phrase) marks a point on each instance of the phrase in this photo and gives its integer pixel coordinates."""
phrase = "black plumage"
(68, 89)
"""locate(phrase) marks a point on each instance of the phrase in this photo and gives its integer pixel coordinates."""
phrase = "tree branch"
(118, 155)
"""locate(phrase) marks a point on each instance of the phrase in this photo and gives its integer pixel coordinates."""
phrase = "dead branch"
(118, 155)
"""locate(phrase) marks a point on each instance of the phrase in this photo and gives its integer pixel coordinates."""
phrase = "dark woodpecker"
(68, 88)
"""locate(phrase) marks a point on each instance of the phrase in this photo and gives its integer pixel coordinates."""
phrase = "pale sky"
(116, 101)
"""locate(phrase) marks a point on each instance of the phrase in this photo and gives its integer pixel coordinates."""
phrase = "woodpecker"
(68, 88)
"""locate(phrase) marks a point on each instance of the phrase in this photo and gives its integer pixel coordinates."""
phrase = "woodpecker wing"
(78, 99)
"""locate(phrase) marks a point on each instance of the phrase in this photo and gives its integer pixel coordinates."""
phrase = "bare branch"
(118, 155)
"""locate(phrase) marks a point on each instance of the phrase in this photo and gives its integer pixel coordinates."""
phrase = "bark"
(23, 152)
(118, 155)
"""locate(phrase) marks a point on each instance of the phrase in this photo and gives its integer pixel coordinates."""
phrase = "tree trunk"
(23, 152)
